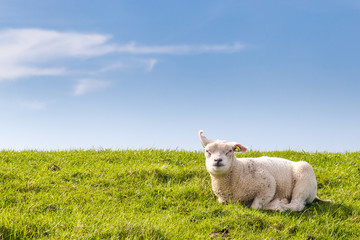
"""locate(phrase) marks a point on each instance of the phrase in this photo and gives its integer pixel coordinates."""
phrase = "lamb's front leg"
(261, 201)
(277, 205)
(266, 191)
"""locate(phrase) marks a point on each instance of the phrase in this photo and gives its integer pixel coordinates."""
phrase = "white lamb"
(263, 183)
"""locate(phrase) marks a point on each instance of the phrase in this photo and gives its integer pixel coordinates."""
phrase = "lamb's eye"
(230, 151)
(208, 152)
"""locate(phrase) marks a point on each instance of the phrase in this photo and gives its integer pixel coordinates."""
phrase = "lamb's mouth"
(217, 165)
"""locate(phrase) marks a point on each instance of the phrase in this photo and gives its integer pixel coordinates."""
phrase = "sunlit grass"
(160, 194)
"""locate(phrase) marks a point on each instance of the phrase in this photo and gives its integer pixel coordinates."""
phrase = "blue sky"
(272, 75)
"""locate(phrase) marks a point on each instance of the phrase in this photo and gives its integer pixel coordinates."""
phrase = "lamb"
(261, 183)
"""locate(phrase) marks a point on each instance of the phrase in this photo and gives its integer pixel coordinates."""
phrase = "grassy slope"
(154, 194)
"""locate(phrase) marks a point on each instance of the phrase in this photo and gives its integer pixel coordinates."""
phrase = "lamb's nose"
(218, 160)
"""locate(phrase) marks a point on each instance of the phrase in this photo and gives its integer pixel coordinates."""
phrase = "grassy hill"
(160, 194)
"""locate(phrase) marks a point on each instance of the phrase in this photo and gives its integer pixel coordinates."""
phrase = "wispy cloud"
(130, 64)
(34, 104)
(133, 48)
(39, 52)
(150, 64)
(89, 85)
(28, 52)
(114, 66)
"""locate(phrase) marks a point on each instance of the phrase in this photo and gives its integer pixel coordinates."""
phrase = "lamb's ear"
(204, 140)
(237, 147)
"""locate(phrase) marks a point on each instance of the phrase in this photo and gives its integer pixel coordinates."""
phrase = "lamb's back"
(281, 169)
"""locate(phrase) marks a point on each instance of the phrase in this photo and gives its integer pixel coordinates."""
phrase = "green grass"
(160, 194)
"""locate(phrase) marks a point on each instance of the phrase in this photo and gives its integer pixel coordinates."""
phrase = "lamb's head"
(219, 154)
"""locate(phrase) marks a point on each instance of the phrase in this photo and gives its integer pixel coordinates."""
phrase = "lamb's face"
(219, 154)
(219, 157)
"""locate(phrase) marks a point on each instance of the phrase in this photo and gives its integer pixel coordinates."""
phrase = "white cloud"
(150, 64)
(34, 105)
(27, 44)
(38, 52)
(131, 64)
(89, 85)
(132, 48)
(13, 71)
(24, 51)
(113, 67)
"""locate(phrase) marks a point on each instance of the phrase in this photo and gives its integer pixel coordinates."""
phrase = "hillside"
(160, 194)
